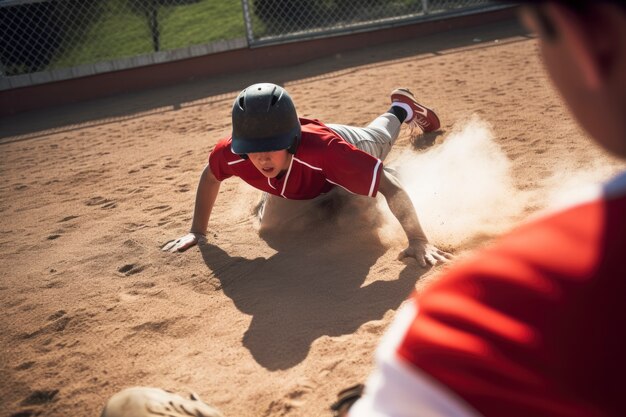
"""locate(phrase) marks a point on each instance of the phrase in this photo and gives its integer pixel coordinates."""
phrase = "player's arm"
(402, 208)
(208, 188)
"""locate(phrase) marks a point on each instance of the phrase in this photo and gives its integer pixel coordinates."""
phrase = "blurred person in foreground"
(534, 324)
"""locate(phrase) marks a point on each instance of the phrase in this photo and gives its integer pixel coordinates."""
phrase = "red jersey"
(323, 160)
(533, 326)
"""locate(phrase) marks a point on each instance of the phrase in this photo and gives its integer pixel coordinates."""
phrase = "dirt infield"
(258, 326)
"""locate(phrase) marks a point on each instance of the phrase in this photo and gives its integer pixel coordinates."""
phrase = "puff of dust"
(569, 185)
(462, 189)
(248, 199)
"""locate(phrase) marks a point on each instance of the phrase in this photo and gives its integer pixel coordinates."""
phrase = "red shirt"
(533, 326)
(322, 161)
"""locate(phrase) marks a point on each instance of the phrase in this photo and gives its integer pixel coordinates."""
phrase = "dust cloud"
(568, 185)
(462, 189)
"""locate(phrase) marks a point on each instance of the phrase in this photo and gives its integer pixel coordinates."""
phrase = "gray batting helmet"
(264, 120)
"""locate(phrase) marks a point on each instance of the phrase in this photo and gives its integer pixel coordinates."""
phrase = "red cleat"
(423, 117)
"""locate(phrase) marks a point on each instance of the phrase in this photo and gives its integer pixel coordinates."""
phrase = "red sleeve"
(351, 168)
(218, 160)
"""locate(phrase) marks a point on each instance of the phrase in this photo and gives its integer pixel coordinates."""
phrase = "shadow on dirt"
(312, 286)
(426, 140)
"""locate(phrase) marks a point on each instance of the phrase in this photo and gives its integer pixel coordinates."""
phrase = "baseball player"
(301, 159)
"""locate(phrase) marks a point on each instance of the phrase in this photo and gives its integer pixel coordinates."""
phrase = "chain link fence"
(276, 21)
(37, 35)
(48, 40)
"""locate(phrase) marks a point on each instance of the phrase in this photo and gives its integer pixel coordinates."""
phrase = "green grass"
(119, 32)
(202, 22)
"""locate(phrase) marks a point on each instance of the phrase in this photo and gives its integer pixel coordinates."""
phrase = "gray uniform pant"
(376, 139)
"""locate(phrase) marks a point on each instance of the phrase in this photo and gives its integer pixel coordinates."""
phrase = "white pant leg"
(376, 139)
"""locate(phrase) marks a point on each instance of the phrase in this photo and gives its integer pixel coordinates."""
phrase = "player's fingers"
(175, 246)
(440, 257)
(185, 245)
(445, 254)
(430, 259)
(168, 245)
(188, 241)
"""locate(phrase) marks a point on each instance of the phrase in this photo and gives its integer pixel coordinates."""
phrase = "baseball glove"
(345, 399)
(154, 402)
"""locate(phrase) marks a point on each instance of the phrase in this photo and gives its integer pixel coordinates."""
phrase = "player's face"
(270, 164)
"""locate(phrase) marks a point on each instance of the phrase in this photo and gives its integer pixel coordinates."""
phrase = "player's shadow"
(312, 286)
(426, 140)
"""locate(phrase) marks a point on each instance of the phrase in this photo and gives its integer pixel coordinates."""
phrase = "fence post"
(425, 6)
(153, 22)
(247, 20)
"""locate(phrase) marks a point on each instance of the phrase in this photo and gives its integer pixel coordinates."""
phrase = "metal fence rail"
(49, 40)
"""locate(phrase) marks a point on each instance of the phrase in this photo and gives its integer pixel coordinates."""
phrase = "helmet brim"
(245, 145)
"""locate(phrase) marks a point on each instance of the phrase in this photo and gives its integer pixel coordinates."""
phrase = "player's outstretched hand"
(183, 243)
(425, 253)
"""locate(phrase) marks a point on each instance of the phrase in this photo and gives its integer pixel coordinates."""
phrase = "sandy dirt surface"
(270, 325)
